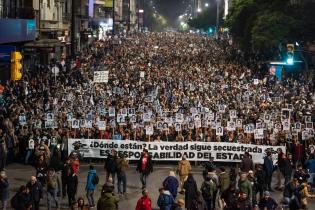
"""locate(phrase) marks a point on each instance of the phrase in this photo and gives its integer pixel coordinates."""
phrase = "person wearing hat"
(183, 170)
(171, 184)
(108, 200)
(4, 190)
(267, 203)
(144, 167)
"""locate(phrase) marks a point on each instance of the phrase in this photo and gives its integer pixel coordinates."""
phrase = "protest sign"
(101, 76)
(172, 151)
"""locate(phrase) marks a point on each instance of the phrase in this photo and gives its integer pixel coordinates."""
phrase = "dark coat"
(199, 204)
(4, 189)
(287, 168)
(268, 166)
(36, 191)
(269, 203)
(260, 179)
(247, 164)
(72, 184)
(190, 187)
(21, 200)
(171, 184)
(111, 164)
(149, 167)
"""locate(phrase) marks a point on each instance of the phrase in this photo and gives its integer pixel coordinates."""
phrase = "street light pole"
(217, 20)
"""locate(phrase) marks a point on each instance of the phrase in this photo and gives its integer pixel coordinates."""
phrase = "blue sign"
(5, 52)
(17, 30)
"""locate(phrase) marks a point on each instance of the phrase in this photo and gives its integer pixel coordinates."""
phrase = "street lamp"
(206, 5)
(199, 10)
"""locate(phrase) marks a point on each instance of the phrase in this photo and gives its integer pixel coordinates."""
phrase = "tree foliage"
(264, 24)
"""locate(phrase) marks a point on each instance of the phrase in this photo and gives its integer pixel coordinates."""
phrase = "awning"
(43, 43)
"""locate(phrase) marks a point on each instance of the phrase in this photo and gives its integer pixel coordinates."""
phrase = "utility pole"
(128, 29)
(217, 21)
(114, 26)
(73, 35)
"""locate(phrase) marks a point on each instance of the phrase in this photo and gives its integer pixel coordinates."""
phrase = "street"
(19, 175)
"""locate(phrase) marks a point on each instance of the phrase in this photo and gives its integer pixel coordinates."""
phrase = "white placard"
(101, 76)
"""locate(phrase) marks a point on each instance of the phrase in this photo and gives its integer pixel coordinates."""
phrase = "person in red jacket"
(144, 203)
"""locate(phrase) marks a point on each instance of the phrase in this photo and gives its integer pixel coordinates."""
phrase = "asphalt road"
(19, 175)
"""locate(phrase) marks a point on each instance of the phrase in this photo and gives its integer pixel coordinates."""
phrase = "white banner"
(172, 151)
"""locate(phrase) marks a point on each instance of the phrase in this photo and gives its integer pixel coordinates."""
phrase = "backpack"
(208, 189)
(95, 180)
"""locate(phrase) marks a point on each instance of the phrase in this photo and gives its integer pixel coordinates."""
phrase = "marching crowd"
(160, 87)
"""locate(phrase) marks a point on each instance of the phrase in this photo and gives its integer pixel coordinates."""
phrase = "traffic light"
(16, 66)
(210, 30)
(290, 54)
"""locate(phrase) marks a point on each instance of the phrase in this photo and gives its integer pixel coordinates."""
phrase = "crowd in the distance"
(161, 87)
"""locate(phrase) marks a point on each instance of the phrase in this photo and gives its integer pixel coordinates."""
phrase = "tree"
(262, 25)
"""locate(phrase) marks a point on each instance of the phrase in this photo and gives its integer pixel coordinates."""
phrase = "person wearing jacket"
(36, 192)
(246, 187)
(144, 203)
(280, 169)
(53, 188)
(122, 167)
(107, 201)
(171, 184)
(90, 186)
(260, 176)
(301, 175)
(41, 169)
(287, 169)
(224, 180)
(183, 170)
(198, 202)
(289, 190)
(144, 167)
(72, 186)
(21, 199)
(208, 191)
(4, 190)
(310, 165)
(165, 200)
(267, 203)
(190, 187)
(111, 165)
(247, 163)
(268, 166)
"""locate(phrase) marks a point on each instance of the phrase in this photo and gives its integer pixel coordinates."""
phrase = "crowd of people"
(159, 87)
